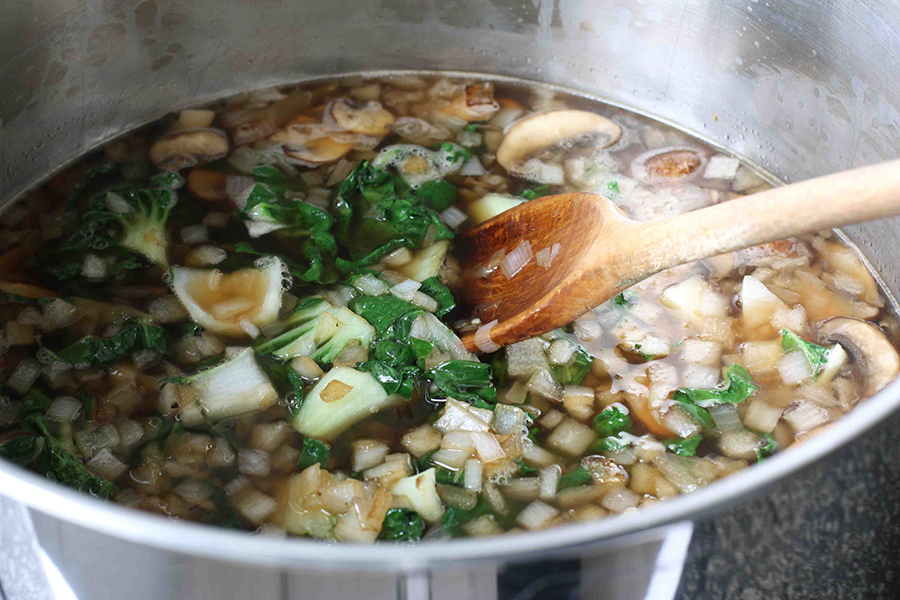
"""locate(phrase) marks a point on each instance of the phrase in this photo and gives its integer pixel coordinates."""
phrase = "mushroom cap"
(528, 137)
(367, 118)
(676, 164)
(874, 356)
(306, 141)
(188, 148)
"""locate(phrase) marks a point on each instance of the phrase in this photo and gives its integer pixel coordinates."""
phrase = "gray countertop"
(831, 531)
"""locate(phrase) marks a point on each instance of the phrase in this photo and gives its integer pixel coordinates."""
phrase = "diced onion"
(516, 393)
(619, 500)
(64, 409)
(817, 395)
(699, 376)
(60, 313)
(253, 462)
(726, 417)
(459, 416)
(587, 327)
(458, 440)
(483, 339)
(473, 475)
(238, 188)
(806, 416)
(370, 285)
(544, 257)
(406, 289)
(793, 368)
(450, 459)
(561, 351)
(307, 368)
(516, 260)
(543, 384)
(195, 234)
(535, 515)
(487, 447)
(536, 455)
(550, 476)
(398, 257)
(26, 373)
(453, 217)
(472, 167)
(367, 454)
(424, 301)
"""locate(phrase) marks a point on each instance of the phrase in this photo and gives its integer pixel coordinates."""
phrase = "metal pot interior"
(799, 89)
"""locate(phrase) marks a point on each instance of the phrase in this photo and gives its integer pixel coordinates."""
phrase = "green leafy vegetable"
(579, 476)
(402, 525)
(34, 401)
(119, 226)
(535, 193)
(768, 449)
(454, 518)
(575, 372)
(625, 299)
(465, 380)
(738, 387)
(816, 356)
(57, 464)
(435, 288)
(134, 335)
(313, 451)
(611, 421)
(611, 443)
(376, 212)
(683, 446)
(525, 470)
(21, 450)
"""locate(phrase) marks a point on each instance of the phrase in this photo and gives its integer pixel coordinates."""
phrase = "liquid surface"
(244, 315)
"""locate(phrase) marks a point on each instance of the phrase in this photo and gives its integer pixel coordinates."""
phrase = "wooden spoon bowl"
(602, 251)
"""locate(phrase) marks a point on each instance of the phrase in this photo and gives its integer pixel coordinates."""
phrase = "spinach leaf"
(34, 401)
(58, 464)
(537, 192)
(375, 213)
(134, 335)
(579, 476)
(768, 449)
(525, 470)
(224, 514)
(683, 446)
(816, 356)
(313, 451)
(454, 518)
(573, 373)
(738, 387)
(21, 450)
(435, 288)
(625, 299)
(402, 525)
(611, 421)
(464, 380)
(612, 443)
(386, 313)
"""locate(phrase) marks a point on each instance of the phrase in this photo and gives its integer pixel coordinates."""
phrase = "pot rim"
(240, 546)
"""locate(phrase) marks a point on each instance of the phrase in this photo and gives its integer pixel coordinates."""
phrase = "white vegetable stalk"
(483, 339)
(516, 260)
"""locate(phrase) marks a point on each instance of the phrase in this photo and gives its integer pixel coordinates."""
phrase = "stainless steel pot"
(799, 88)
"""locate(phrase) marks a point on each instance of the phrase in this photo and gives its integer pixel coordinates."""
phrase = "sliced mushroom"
(207, 185)
(668, 165)
(873, 354)
(476, 103)
(193, 119)
(367, 118)
(248, 125)
(526, 140)
(308, 142)
(182, 149)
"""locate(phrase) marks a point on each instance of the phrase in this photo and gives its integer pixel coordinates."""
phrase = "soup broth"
(245, 315)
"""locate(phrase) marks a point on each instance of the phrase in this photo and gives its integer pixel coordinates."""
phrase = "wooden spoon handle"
(861, 194)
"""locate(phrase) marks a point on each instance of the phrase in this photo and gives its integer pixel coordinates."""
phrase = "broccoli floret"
(318, 330)
(120, 225)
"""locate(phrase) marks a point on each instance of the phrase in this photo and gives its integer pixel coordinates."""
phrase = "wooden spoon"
(602, 251)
